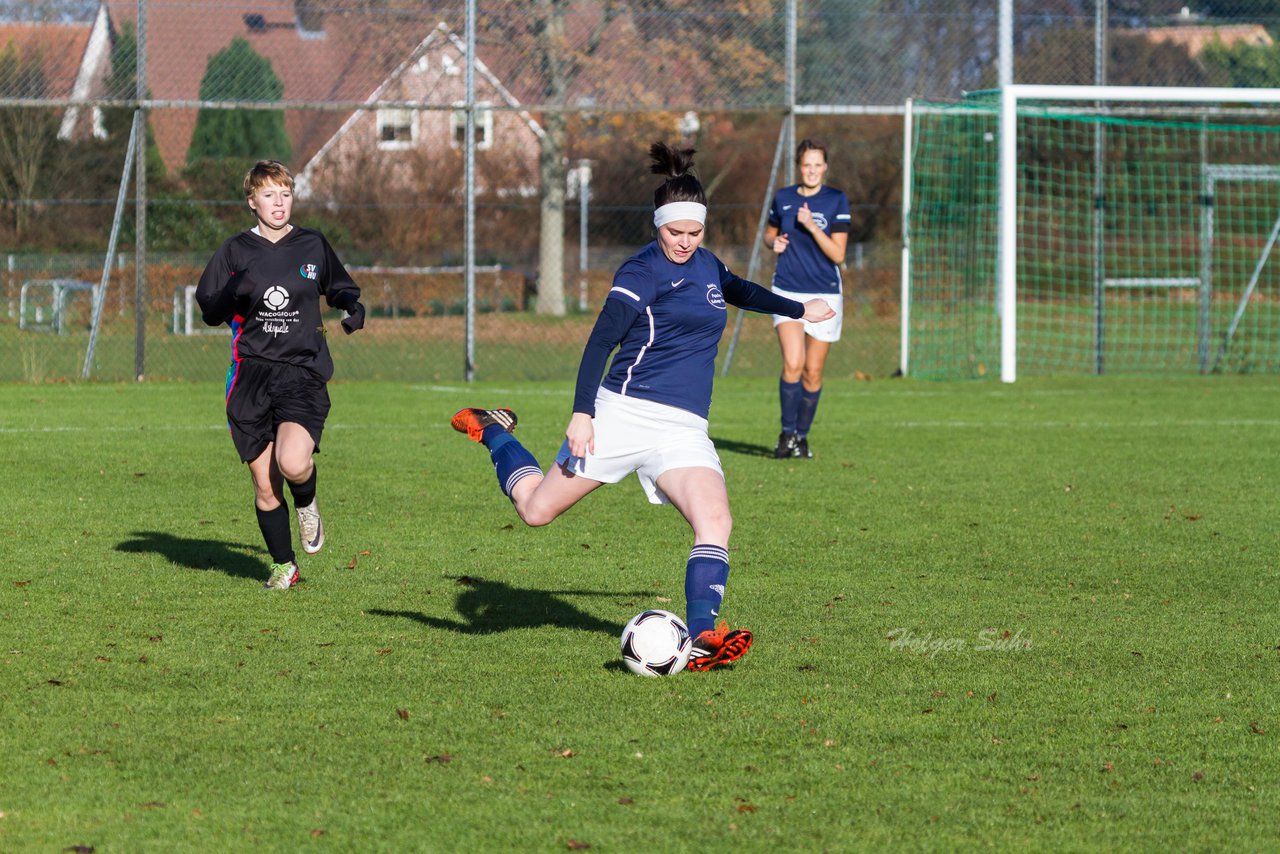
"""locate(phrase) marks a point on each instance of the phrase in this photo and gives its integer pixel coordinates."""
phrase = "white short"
(634, 435)
(828, 330)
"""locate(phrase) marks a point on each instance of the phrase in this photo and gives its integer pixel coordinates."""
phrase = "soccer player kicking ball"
(267, 283)
(665, 315)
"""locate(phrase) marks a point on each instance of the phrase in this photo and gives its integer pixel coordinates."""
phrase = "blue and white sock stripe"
(709, 552)
(519, 475)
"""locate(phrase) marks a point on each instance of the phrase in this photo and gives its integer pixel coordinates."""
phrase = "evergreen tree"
(239, 73)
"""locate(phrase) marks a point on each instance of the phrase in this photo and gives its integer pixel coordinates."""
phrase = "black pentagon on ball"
(664, 668)
(629, 650)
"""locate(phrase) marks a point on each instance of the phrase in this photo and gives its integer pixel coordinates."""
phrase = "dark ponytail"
(677, 165)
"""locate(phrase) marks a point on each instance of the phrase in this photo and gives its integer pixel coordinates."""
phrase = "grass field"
(1029, 617)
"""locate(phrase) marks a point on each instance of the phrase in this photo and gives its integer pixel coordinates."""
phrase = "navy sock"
(808, 408)
(789, 398)
(511, 462)
(304, 493)
(705, 577)
(274, 525)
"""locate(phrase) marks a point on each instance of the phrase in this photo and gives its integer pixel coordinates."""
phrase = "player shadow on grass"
(233, 559)
(487, 607)
(747, 449)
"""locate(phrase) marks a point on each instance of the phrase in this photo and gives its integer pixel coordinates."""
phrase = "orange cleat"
(473, 421)
(718, 647)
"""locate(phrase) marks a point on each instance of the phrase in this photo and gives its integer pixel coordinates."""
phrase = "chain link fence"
(372, 104)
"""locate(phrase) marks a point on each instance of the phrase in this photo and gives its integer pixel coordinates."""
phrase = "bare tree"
(26, 134)
(654, 54)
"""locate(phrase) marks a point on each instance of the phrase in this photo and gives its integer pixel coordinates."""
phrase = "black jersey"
(270, 295)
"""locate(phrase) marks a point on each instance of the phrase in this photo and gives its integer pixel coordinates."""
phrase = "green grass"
(511, 347)
(1038, 616)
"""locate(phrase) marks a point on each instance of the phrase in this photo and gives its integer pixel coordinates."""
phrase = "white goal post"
(1010, 99)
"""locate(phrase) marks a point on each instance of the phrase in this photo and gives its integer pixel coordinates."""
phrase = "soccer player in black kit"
(267, 283)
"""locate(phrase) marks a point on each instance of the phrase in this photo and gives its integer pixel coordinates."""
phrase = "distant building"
(71, 41)
(1195, 37)
(431, 75)
(318, 57)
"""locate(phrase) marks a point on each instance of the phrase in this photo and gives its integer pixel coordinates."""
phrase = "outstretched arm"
(615, 319)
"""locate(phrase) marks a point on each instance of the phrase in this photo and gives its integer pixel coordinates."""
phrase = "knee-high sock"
(511, 462)
(705, 577)
(789, 398)
(808, 408)
(274, 525)
(304, 493)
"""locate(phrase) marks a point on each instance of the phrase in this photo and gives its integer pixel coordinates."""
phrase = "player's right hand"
(780, 244)
(581, 434)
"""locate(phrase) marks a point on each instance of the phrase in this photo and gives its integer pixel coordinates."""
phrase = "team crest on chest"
(714, 296)
(309, 271)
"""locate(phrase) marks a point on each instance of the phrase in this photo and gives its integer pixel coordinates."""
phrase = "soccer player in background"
(665, 314)
(808, 229)
(267, 283)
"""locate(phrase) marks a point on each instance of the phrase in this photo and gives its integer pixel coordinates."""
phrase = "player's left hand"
(354, 319)
(818, 310)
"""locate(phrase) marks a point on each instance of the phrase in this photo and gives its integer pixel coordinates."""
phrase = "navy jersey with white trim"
(668, 353)
(803, 268)
(270, 294)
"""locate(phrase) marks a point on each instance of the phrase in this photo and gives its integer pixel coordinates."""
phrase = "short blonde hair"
(266, 172)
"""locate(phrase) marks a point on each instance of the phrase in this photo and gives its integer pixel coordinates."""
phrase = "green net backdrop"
(1160, 261)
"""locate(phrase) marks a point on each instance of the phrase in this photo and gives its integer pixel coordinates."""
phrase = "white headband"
(673, 211)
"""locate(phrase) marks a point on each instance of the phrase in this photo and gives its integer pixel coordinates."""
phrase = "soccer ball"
(656, 643)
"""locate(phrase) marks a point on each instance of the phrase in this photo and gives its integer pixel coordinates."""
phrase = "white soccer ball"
(656, 643)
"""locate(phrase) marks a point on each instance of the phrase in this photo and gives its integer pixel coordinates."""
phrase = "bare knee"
(533, 515)
(714, 527)
(265, 496)
(295, 470)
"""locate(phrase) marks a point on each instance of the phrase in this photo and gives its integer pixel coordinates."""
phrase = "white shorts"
(634, 435)
(828, 330)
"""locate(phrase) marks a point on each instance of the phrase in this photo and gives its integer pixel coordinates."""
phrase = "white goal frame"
(1010, 96)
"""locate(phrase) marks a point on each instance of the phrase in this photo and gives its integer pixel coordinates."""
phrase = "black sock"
(304, 493)
(275, 531)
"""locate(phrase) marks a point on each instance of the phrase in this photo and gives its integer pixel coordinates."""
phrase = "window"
(396, 129)
(484, 126)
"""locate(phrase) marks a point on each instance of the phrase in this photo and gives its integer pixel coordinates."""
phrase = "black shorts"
(263, 395)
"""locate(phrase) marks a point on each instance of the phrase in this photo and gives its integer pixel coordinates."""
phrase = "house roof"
(59, 48)
(338, 61)
(441, 37)
(1196, 37)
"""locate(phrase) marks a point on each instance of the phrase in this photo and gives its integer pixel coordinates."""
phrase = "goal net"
(1056, 230)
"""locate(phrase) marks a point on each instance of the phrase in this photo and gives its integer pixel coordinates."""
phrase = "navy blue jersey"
(803, 268)
(668, 353)
(270, 295)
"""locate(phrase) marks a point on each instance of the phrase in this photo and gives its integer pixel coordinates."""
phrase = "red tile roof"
(339, 63)
(58, 47)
